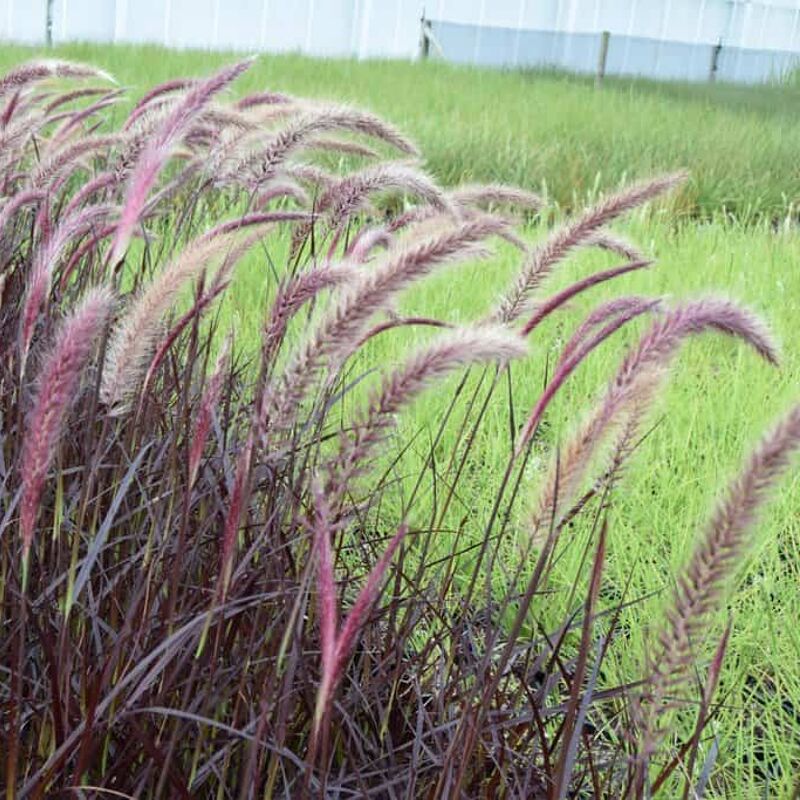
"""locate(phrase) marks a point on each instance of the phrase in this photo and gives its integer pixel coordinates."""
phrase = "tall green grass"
(540, 130)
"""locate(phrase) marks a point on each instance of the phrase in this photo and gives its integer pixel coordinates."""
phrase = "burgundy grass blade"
(205, 412)
(567, 294)
(574, 234)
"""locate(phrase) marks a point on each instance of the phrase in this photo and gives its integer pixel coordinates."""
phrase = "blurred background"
(734, 40)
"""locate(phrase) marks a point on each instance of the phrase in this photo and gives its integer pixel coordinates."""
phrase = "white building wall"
(667, 38)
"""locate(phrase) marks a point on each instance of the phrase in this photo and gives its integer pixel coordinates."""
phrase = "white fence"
(657, 38)
(743, 40)
(362, 28)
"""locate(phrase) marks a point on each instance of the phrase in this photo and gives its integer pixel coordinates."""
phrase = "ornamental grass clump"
(213, 580)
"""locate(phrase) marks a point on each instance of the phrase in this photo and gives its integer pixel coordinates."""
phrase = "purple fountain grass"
(73, 119)
(342, 146)
(58, 381)
(341, 329)
(200, 305)
(13, 142)
(167, 87)
(134, 338)
(565, 368)
(286, 189)
(11, 108)
(158, 149)
(694, 317)
(101, 182)
(92, 242)
(255, 219)
(36, 71)
(701, 589)
(311, 174)
(657, 347)
(219, 118)
(64, 98)
(603, 313)
(233, 254)
(365, 242)
(614, 243)
(237, 505)
(292, 295)
(574, 234)
(264, 99)
(456, 349)
(636, 384)
(326, 582)
(53, 171)
(350, 195)
(263, 164)
(337, 643)
(145, 119)
(560, 298)
(496, 194)
(44, 262)
(19, 200)
(266, 504)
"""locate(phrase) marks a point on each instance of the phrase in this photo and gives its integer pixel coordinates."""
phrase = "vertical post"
(712, 69)
(605, 36)
(48, 29)
(424, 38)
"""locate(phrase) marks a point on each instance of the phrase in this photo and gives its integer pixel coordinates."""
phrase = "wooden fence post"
(48, 30)
(605, 36)
(424, 39)
(712, 69)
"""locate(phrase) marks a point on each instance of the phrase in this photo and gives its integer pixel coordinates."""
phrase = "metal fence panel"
(23, 22)
(241, 25)
(87, 20)
(331, 28)
(144, 21)
(657, 38)
(191, 23)
(627, 55)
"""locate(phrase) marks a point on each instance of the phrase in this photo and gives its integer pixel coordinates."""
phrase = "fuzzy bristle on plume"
(156, 153)
(46, 258)
(268, 156)
(341, 329)
(637, 380)
(349, 194)
(402, 386)
(58, 381)
(134, 338)
(716, 557)
(35, 71)
(496, 194)
(574, 234)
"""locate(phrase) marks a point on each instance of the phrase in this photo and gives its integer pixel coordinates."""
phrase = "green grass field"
(733, 230)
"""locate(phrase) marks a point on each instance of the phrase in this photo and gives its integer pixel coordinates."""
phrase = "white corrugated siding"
(662, 38)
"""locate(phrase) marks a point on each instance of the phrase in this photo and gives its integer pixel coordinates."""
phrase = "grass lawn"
(731, 231)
